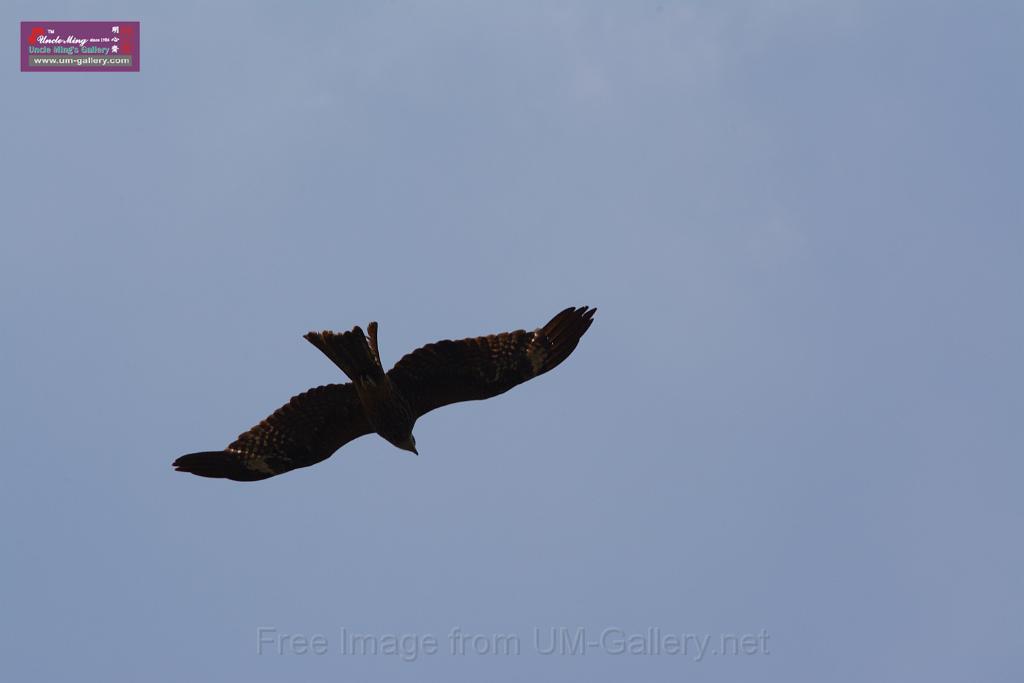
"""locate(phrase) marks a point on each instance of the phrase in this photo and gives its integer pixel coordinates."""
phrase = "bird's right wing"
(448, 371)
(304, 431)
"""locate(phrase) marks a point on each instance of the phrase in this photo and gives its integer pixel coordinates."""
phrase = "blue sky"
(798, 411)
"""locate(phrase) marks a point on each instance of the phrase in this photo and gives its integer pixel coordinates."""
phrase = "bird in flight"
(313, 425)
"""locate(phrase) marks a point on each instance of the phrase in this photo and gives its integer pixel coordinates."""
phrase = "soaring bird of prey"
(313, 425)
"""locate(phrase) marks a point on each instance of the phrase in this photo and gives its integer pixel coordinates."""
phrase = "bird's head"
(407, 442)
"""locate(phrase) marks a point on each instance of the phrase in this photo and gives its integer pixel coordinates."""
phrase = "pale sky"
(797, 414)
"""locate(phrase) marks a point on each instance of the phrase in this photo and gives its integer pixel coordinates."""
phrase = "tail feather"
(351, 351)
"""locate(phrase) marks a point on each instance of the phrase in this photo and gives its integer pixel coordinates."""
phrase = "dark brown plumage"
(313, 425)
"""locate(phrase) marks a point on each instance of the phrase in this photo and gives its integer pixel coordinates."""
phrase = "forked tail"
(352, 351)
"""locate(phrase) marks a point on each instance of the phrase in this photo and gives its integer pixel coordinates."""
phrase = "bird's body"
(313, 425)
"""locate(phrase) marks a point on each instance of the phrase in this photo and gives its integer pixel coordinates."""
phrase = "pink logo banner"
(79, 46)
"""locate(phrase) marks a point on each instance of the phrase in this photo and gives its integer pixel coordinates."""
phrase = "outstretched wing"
(304, 431)
(471, 369)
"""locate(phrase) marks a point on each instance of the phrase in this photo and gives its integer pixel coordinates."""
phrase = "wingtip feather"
(564, 332)
(216, 465)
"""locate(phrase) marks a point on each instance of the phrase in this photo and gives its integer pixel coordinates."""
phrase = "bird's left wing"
(304, 431)
(448, 371)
